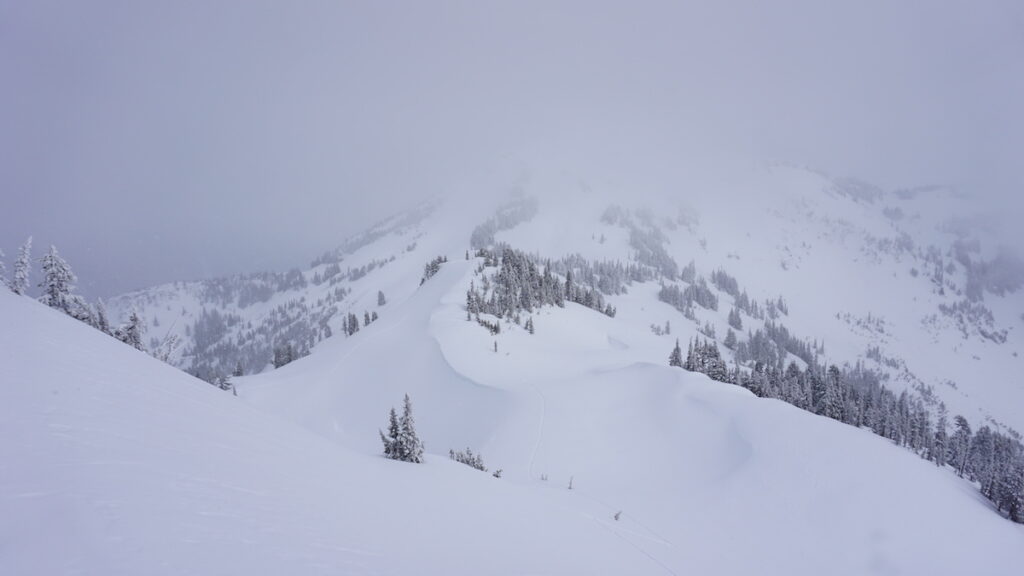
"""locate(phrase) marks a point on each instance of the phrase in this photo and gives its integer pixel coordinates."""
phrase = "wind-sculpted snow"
(128, 466)
(114, 463)
(902, 289)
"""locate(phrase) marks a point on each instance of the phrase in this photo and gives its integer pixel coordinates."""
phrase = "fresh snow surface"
(848, 261)
(113, 463)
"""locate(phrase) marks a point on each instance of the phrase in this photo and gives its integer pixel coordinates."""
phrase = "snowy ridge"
(885, 278)
(127, 466)
(104, 440)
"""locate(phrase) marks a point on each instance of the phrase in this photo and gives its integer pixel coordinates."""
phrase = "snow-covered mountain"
(910, 283)
(116, 463)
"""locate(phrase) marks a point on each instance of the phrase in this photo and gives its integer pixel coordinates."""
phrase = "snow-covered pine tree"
(412, 446)
(131, 332)
(401, 441)
(3, 272)
(100, 314)
(730, 339)
(353, 324)
(735, 320)
(381, 300)
(58, 281)
(392, 449)
(676, 357)
(22, 268)
(468, 458)
(960, 443)
(166, 348)
(940, 446)
(833, 400)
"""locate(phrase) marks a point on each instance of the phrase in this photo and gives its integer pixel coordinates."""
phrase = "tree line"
(855, 396)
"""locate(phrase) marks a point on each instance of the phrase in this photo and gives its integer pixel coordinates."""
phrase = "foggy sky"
(155, 141)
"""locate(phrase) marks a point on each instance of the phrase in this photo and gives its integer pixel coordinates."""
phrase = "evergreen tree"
(381, 300)
(413, 447)
(351, 324)
(730, 339)
(818, 391)
(940, 445)
(238, 370)
(3, 272)
(131, 332)
(22, 268)
(392, 448)
(959, 447)
(166, 348)
(401, 441)
(833, 405)
(1015, 505)
(58, 281)
(676, 357)
(468, 458)
(735, 320)
(102, 323)
(981, 461)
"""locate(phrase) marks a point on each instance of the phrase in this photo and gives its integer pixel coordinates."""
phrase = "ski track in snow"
(635, 546)
(533, 457)
(540, 426)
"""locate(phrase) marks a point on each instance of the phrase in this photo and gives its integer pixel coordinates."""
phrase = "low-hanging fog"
(160, 141)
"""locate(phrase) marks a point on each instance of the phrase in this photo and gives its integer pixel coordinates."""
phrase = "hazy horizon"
(157, 143)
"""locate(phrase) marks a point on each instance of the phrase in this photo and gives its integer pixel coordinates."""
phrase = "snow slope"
(708, 478)
(858, 267)
(113, 463)
(855, 265)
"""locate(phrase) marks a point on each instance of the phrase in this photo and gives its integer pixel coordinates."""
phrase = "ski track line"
(533, 457)
(540, 425)
(656, 537)
(636, 547)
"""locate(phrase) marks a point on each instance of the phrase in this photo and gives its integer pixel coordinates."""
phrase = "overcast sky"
(154, 141)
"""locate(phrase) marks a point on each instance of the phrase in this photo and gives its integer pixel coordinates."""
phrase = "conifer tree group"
(468, 458)
(676, 357)
(58, 286)
(283, 355)
(520, 286)
(401, 441)
(995, 461)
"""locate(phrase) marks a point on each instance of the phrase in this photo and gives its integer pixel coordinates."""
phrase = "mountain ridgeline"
(920, 368)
